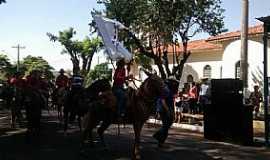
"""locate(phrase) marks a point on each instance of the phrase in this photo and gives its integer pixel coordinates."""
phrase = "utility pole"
(18, 47)
(244, 46)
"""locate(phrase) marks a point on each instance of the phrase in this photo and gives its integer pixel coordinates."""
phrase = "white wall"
(196, 70)
(255, 61)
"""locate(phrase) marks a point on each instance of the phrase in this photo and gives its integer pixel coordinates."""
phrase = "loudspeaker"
(226, 118)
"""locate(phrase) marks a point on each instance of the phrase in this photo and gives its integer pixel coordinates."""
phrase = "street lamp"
(266, 26)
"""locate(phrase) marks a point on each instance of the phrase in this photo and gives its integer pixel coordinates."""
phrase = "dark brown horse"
(140, 105)
(33, 102)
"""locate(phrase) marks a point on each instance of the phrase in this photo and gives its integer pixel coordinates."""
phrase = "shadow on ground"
(184, 145)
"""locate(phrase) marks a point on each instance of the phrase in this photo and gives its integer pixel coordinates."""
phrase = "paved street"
(52, 145)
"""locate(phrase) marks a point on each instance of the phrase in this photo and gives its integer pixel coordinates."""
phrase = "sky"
(26, 22)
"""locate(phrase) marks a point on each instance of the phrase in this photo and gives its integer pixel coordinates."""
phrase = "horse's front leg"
(90, 122)
(79, 122)
(66, 115)
(137, 126)
(105, 124)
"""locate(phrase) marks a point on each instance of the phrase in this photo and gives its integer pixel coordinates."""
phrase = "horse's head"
(152, 87)
(98, 86)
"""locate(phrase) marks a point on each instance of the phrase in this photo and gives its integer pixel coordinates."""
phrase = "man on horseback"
(72, 101)
(35, 82)
(35, 100)
(62, 81)
(18, 84)
(119, 79)
(165, 106)
(60, 92)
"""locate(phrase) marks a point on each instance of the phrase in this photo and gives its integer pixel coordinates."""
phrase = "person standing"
(203, 97)
(193, 98)
(166, 110)
(256, 99)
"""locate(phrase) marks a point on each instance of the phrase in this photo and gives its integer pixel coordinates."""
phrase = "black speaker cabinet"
(226, 118)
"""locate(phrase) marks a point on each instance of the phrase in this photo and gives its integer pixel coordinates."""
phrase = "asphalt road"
(53, 145)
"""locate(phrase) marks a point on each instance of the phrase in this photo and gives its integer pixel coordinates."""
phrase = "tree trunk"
(76, 66)
(157, 60)
(84, 64)
(90, 58)
(179, 68)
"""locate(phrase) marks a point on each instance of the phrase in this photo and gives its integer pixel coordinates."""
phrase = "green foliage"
(144, 61)
(28, 64)
(89, 48)
(6, 68)
(31, 63)
(71, 47)
(2, 1)
(79, 51)
(99, 72)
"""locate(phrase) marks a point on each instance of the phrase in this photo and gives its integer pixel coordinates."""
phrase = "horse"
(59, 98)
(13, 98)
(72, 109)
(139, 106)
(34, 102)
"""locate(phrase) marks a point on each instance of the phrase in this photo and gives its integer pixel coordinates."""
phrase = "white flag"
(108, 29)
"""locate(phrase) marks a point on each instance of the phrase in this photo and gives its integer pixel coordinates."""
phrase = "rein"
(144, 94)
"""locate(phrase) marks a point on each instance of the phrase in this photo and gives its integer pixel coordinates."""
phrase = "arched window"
(207, 71)
(237, 69)
(189, 78)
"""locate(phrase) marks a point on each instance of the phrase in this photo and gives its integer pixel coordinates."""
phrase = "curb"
(178, 125)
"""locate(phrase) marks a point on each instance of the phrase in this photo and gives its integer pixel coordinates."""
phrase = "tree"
(6, 68)
(158, 24)
(89, 47)
(99, 72)
(78, 50)
(2, 1)
(72, 47)
(31, 63)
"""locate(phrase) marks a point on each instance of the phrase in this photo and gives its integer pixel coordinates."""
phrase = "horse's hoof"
(83, 153)
(138, 157)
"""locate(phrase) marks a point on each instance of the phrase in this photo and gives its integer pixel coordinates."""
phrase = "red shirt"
(119, 76)
(18, 82)
(62, 81)
(193, 92)
(35, 83)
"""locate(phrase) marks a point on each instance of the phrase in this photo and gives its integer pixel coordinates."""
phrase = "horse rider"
(165, 106)
(76, 88)
(119, 80)
(18, 83)
(35, 83)
(62, 81)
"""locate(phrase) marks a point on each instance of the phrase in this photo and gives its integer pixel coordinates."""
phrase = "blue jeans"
(119, 92)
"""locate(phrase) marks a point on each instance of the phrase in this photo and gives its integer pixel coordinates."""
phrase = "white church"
(219, 57)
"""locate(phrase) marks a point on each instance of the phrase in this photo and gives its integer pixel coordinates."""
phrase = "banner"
(108, 30)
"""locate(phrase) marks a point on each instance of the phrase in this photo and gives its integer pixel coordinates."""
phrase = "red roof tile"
(196, 45)
(233, 35)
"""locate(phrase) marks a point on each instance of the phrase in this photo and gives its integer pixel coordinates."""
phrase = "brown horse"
(59, 100)
(140, 105)
(33, 102)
